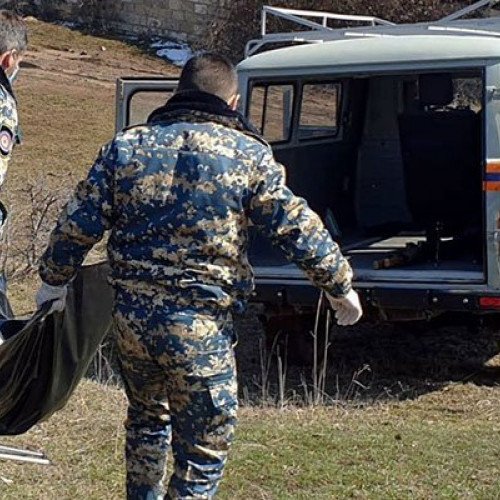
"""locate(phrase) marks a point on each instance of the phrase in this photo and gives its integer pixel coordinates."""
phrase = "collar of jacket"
(4, 82)
(201, 107)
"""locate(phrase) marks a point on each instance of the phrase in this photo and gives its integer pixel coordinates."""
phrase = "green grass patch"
(444, 445)
(367, 454)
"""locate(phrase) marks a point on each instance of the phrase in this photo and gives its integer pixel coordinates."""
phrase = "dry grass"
(84, 442)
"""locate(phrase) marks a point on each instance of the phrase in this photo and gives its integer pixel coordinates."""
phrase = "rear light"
(489, 302)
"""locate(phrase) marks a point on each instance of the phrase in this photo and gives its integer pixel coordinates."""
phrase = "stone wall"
(184, 20)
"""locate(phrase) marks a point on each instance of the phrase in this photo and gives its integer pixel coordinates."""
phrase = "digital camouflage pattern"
(8, 131)
(178, 199)
(179, 372)
(178, 195)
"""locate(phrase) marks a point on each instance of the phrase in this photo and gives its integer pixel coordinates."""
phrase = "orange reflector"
(493, 166)
(489, 302)
(491, 186)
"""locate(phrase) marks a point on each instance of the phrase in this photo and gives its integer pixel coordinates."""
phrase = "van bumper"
(420, 300)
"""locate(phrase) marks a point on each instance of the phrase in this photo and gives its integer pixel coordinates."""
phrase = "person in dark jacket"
(178, 195)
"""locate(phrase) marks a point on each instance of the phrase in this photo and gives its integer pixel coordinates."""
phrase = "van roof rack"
(319, 31)
(469, 10)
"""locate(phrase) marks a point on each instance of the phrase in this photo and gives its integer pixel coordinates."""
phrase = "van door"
(137, 98)
(492, 176)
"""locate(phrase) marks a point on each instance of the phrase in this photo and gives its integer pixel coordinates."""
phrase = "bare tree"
(37, 206)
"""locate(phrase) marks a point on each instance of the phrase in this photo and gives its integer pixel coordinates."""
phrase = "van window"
(319, 110)
(468, 93)
(446, 92)
(143, 103)
(270, 110)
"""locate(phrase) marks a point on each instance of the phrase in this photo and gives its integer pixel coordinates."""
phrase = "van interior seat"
(380, 198)
(441, 151)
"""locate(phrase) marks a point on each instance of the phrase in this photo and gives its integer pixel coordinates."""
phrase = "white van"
(392, 134)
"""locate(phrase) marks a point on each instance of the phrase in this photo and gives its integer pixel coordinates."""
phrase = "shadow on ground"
(366, 363)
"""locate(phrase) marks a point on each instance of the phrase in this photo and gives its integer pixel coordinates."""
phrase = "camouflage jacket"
(8, 124)
(179, 194)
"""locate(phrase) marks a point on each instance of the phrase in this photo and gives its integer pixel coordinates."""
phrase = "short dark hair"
(212, 73)
(13, 32)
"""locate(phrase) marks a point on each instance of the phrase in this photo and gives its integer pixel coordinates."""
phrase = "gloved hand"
(347, 309)
(48, 293)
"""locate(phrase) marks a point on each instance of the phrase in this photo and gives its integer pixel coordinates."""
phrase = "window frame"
(298, 82)
(252, 84)
(135, 92)
(126, 87)
(340, 106)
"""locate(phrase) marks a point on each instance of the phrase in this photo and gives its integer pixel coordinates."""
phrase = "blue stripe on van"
(492, 177)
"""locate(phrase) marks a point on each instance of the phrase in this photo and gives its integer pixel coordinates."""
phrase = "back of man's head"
(211, 73)
(13, 32)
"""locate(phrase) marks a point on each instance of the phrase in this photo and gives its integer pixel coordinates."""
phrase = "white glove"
(49, 293)
(347, 309)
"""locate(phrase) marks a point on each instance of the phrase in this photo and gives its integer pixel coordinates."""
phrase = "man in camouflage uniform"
(178, 195)
(13, 43)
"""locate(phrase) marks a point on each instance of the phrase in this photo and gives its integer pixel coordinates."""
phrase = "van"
(392, 135)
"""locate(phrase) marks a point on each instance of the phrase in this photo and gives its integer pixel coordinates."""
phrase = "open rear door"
(137, 97)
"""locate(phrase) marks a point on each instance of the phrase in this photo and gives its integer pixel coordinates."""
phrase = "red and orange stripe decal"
(492, 179)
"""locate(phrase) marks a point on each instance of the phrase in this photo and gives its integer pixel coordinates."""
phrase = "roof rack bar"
(464, 31)
(289, 15)
(296, 36)
(469, 10)
(318, 30)
(313, 26)
(298, 17)
(361, 34)
(254, 45)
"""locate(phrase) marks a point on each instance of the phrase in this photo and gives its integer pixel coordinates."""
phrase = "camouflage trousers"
(179, 373)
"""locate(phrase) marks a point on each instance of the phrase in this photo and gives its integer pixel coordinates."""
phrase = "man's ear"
(234, 102)
(7, 61)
